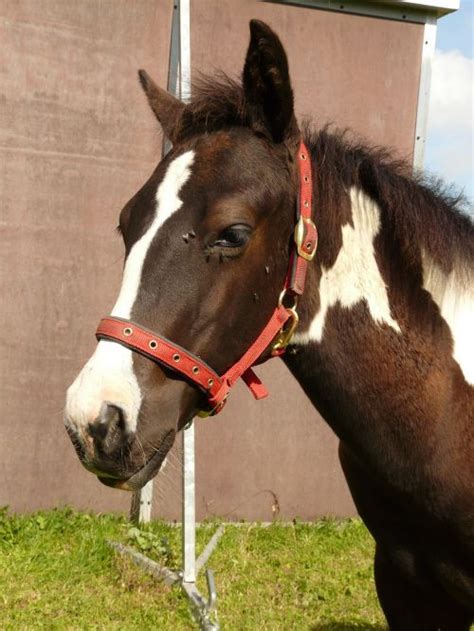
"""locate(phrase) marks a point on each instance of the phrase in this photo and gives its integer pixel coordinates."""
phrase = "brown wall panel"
(355, 71)
(76, 141)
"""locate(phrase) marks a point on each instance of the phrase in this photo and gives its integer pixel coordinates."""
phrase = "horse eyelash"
(118, 230)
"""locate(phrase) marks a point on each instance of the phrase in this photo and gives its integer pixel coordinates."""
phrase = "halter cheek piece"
(277, 332)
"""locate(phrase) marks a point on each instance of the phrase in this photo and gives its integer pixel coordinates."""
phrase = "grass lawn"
(57, 572)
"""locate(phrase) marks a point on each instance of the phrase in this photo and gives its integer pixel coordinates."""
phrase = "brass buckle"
(299, 238)
(287, 331)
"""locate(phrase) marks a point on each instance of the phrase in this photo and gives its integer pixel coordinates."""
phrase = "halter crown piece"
(277, 332)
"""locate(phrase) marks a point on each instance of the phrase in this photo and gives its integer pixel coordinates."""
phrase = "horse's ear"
(267, 86)
(167, 108)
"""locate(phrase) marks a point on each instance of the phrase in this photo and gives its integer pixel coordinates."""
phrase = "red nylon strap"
(215, 387)
(163, 351)
(306, 234)
(160, 349)
(242, 368)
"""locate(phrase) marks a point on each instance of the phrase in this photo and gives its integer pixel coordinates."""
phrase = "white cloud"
(450, 147)
(452, 90)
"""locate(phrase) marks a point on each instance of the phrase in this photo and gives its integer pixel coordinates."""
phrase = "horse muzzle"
(146, 473)
(117, 459)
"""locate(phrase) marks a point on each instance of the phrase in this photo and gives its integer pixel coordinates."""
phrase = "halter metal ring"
(287, 331)
(283, 295)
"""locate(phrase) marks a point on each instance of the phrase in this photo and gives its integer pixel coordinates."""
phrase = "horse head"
(206, 254)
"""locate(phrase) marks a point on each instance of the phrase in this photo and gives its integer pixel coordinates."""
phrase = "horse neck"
(355, 261)
(349, 350)
(383, 335)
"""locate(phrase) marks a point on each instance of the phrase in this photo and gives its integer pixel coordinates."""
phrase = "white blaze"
(167, 203)
(355, 275)
(108, 375)
(454, 295)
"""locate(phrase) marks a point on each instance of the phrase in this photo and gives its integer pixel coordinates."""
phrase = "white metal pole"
(429, 41)
(179, 83)
(189, 498)
(185, 49)
(189, 506)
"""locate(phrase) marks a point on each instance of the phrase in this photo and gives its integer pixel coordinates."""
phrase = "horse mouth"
(143, 475)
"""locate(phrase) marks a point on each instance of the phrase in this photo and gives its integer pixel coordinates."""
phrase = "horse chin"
(143, 475)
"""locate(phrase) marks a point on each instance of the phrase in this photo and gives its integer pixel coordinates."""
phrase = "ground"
(58, 572)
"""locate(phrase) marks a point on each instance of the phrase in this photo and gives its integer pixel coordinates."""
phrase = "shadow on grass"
(348, 626)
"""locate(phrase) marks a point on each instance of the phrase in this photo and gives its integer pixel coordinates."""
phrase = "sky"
(450, 147)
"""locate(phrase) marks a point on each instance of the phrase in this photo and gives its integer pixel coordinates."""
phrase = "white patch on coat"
(454, 295)
(355, 276)
(108, 375)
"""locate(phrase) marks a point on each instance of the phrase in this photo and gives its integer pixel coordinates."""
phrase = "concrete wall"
(76, 142)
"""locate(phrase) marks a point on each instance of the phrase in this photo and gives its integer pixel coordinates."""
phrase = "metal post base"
(204, 611)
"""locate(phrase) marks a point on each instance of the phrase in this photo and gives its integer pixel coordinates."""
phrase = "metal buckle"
(287, 331)
(299, 238)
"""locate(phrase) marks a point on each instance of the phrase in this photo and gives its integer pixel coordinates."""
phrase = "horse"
(381, 339)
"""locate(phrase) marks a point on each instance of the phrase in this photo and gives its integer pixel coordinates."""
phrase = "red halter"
(277, 332)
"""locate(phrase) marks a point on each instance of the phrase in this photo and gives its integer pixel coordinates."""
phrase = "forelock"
(218, 103)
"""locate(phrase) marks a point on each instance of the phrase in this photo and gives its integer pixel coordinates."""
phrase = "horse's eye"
(233, 237)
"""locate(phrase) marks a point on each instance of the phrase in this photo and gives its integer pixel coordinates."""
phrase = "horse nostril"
(113, 415)
(109, 430)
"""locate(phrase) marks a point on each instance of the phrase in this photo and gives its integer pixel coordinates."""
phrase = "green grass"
(57, 572)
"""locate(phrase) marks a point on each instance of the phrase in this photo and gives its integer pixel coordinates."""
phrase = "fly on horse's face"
(207, 247)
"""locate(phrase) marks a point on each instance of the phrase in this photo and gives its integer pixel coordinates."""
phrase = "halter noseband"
(277, 332)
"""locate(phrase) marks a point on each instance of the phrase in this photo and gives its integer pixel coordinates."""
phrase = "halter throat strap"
(276, 334)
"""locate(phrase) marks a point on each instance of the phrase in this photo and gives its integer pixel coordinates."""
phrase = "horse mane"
(421, 211)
